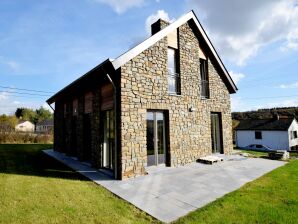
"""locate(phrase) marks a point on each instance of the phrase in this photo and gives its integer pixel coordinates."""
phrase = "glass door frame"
(108, 149)
(155, 137)
(218, 134)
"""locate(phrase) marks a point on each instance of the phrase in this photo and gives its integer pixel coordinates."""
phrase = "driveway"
(168, 193)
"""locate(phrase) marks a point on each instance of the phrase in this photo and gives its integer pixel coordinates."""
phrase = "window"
(204, 79)
(173, 75)
(293, 134)
(258, 135)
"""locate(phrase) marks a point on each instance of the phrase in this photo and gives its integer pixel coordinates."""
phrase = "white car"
(257, 147)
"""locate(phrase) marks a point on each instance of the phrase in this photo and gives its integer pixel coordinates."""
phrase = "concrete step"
(209, 159)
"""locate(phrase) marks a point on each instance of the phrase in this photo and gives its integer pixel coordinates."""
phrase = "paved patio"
(169, 193)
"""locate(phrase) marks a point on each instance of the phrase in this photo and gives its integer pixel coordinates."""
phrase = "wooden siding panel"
(88, 102)
(107, 95)
(75, 107)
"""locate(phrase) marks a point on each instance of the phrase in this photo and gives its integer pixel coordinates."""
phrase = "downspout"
(115, 126)
(51, 106)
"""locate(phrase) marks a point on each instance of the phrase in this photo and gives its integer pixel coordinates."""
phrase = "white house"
(45, 126)
(25, 126)
(276, 133)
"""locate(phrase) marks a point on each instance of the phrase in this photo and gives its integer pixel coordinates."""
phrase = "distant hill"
(284, 112)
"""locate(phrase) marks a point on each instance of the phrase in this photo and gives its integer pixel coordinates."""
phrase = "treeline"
(283, 112)
(34, 116)
(8, 122)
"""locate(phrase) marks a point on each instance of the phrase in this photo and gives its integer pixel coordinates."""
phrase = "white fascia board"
(130, 54)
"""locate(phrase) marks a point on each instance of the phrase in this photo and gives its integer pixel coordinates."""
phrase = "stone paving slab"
(168, 193)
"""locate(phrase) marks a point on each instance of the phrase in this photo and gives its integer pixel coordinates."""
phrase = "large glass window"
(204, 79)
(173, 74)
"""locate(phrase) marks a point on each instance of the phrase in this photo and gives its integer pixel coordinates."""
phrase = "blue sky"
(45, 45)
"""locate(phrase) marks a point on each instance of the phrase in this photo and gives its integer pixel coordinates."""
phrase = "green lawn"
(272, 198)
(257, 154)
(36, 189)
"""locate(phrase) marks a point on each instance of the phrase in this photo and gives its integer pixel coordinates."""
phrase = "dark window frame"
(204, 76)
(258, 135)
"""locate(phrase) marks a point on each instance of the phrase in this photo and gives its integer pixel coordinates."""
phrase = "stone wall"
(144, 86)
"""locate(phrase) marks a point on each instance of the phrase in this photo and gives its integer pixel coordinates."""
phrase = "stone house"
(164, 102)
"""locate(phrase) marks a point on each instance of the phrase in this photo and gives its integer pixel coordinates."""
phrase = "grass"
(37, 189)
(272, 198)
(256, 154)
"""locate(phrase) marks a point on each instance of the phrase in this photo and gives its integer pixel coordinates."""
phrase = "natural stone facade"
(144, 86)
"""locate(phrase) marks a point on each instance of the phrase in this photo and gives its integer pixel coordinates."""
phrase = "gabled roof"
(48, 122)
(265, 124)
(23, 121)
(133, 52)
(130, 54)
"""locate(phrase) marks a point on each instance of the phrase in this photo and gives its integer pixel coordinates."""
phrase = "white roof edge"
(122, 59)
(130, 54)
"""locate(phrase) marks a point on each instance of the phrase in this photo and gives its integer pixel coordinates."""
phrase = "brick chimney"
(158, 26)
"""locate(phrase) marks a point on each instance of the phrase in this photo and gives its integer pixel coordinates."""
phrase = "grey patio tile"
(169, 193)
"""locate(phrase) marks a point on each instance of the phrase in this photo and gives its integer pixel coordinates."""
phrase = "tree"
(8, 123)
(29, 115)
(43, 114)
(26, 114)
(34, 116)
(19, 112)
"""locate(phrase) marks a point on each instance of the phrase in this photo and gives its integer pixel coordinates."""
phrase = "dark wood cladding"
(107, 95)
(88, 102)
(75, 107)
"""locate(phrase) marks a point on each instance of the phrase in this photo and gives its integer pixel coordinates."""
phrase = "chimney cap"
(158, 25)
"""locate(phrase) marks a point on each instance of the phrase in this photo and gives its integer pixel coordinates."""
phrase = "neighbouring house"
(25, 126)
(45, 126)
(277, 133)
(165, 102)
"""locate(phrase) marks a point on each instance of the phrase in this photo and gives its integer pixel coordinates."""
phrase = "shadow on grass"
(28, 159)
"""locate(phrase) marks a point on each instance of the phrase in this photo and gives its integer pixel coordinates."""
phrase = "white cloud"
(160, 14)
(9, 103)
(236, 76)
(46, 106)
(238, 104)
(240, 28)
(120, 6)
(289, 86)
(13, 65)
(284, 103)
(3, 96)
